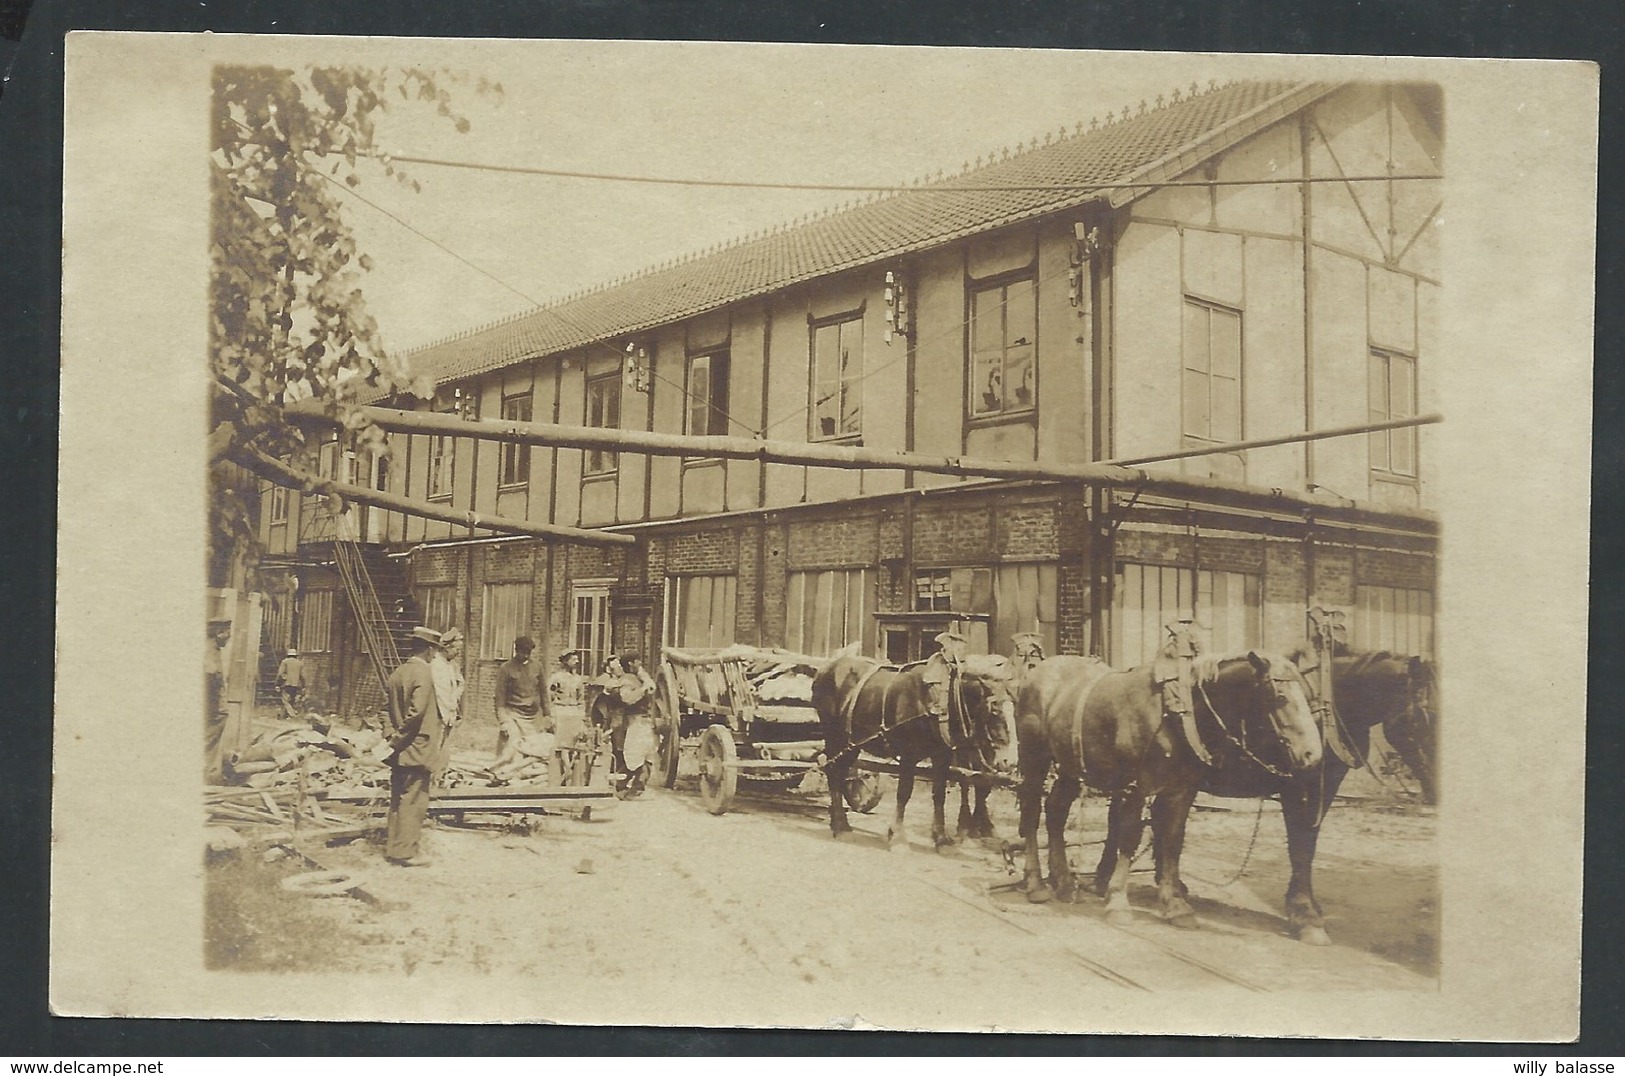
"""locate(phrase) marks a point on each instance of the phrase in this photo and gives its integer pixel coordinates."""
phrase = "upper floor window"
(440, 462)
(1392, 393)
(1004, 334)
(707, 397)
(327, 460)
(514, 469)
(279, 501)
(1211, 386)
(837, 380)
(604, 412)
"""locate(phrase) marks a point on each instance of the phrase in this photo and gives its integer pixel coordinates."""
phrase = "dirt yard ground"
(760, 907)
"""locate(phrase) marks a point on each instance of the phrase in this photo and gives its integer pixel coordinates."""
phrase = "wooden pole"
(1324, 506)
(273, 470)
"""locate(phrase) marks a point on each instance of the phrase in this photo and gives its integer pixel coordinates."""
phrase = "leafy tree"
(288, 319)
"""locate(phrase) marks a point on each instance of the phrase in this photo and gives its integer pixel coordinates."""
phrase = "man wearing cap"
(519, 701)
(411, 746)
(290, 682)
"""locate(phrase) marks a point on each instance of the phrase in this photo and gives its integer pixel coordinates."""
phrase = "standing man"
(567, 699)
(290, 682)
(628, 692)
(214, 699)
(447, 668)
(519, 701)
(411, 747)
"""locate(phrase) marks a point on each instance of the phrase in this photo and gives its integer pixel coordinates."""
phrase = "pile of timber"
(316, 783)
(259, 818)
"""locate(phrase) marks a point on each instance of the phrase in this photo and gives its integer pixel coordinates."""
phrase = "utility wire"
(940, 186)
(572, 326)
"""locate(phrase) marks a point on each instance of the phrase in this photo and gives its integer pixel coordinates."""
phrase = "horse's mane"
(1206, 667)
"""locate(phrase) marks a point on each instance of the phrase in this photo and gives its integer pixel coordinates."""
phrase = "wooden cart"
(748, 715)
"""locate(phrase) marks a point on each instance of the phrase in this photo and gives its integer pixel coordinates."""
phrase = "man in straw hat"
(411, 747)
(447, 668)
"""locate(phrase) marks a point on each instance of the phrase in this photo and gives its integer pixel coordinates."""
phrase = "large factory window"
(1226, 607)
(1391, 618)
(507, 616)
(825, 610)
(700, 610)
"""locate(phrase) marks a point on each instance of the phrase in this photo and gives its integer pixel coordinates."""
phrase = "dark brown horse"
(987, 762)
(1368, 689)
(920, 712)
(1108, 728)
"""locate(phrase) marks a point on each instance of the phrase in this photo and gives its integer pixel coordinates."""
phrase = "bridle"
(1239, 742)
(979, 745)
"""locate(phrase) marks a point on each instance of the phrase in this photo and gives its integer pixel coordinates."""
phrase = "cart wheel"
(719, 776)
(669, 729)
(863, 791)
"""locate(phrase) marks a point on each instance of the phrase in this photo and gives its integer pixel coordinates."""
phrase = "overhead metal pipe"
(273, 470)
(858, 457)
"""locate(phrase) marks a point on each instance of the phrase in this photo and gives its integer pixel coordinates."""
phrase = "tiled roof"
(1155, 145)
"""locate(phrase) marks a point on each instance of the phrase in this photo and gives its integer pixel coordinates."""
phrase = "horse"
(921, 711)
(982, 759)
(1110, 729)
(1369, 689)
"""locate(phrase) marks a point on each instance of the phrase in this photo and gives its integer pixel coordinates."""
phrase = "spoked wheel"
(863, 791)
(719, 776)
(668, 728)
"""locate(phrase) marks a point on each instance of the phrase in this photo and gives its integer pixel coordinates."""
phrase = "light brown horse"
(920, 712)
(1108, 728)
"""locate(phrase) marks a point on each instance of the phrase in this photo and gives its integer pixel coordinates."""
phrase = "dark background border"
(30, 307)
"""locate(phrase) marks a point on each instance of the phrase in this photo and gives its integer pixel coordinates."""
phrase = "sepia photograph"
(744, 535)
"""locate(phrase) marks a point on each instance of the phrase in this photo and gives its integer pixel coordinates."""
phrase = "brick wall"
(831, 543)
(1072, 630)
(1155, 547)
(1387, 568)
(1232, 554)
(1027, 530)
(774, 582)
(702, 552)
(433, 567)
(746, 630)
(1334, 577)
(1284, 595)
(952, 535)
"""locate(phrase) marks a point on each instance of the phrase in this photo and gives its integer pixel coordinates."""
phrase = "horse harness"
(883, 736)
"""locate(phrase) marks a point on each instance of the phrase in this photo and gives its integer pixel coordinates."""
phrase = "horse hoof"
(1187, 921)
(1040, 895)
(841, 834)
(1120, 917)
(1314, 935)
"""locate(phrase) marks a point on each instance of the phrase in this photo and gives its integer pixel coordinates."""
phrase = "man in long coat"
(413, 741)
